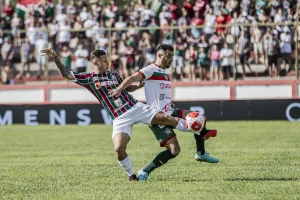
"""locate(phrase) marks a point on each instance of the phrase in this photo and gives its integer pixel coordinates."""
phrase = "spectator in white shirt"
(226, 63)
(278, 18)
(64, 35)
(40, 44)
(209, 23)
(88, 24)
(103, 42)
(31, 33)
(286, 48)
(61, 18)
(120, 24)
(148, 13)
(84, 15)
(81, 55)
(60, 7)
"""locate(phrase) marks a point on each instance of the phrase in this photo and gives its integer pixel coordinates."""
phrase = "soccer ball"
(195, 122)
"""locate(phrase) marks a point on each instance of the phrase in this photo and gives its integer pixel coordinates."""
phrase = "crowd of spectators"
(76, 28)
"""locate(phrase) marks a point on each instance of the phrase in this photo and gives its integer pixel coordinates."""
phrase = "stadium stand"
(213, 40)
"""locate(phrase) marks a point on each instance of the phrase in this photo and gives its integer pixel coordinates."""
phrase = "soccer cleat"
(206, 158)
(142, 176)
(133, 178)
(210, 133)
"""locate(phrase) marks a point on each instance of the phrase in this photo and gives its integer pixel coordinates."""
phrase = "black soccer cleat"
(133, 178)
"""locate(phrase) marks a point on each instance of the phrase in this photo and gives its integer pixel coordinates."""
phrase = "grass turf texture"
(259, 160)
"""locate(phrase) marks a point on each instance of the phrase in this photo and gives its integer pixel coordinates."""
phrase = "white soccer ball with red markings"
(195, 122)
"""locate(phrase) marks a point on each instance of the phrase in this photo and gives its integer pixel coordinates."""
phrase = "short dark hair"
(165, 47)
(98, 53)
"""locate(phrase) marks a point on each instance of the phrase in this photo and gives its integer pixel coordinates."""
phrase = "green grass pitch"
(259, 160)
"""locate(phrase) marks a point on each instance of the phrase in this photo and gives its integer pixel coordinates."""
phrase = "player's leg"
(201, 154)
(167, 138)
(143, 113)
(165, 119)
(122, 128)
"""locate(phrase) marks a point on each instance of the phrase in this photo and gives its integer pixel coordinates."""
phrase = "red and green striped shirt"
(99, 84)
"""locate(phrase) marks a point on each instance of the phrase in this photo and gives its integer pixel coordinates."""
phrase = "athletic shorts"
(165, 133)
(139, 113)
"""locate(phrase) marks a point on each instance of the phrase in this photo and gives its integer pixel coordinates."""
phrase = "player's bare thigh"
(164, 119)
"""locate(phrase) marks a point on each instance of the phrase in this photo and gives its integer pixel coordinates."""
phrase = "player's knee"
(163, 118)
(175, 151)
(120, 149)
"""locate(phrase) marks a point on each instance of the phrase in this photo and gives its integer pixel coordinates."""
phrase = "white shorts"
(139, 113)
(41, 60)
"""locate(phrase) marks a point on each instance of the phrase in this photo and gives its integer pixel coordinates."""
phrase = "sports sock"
(126, 165)
(161, 159)
(181, 126)
(200, 144)
(204, 130)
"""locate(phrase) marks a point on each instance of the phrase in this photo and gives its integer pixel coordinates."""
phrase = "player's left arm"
(136, 77)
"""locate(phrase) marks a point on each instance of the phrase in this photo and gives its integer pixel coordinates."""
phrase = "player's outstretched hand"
(114, 93)
(49, 52)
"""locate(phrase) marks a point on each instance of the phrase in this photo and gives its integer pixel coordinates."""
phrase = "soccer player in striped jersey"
(122, 107)
(158, 94)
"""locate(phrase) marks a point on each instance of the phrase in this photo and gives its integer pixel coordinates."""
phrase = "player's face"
(167, 59)
(101, 64)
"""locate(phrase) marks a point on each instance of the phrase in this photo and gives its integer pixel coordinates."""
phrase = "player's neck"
(97, 70)
(158, 65)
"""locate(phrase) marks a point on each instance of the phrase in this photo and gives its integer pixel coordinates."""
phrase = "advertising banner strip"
(85, 114)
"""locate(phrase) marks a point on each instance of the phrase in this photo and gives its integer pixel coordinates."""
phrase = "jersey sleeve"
(146, 72)
(81, 78)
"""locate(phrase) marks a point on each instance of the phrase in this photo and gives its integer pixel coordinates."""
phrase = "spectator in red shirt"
(8, 8)
(189, 8)
(199, 7)
(173, 9)
(220, 19)
(113, 7)
(196, 21)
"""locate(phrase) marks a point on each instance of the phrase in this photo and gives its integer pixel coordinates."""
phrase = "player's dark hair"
(165, 47)
(98, 53)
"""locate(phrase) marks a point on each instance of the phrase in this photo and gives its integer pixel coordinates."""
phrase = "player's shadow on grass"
(263, 179)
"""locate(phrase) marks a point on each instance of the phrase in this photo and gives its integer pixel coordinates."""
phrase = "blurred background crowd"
(213, 40)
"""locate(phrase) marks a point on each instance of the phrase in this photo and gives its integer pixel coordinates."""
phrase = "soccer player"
(123, 108)
(158, 94)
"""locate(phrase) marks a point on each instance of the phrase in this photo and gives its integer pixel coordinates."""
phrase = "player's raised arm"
(126, 83)
(64, 72)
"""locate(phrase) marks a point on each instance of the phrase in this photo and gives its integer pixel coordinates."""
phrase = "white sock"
(181, 126)
(126, 165)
